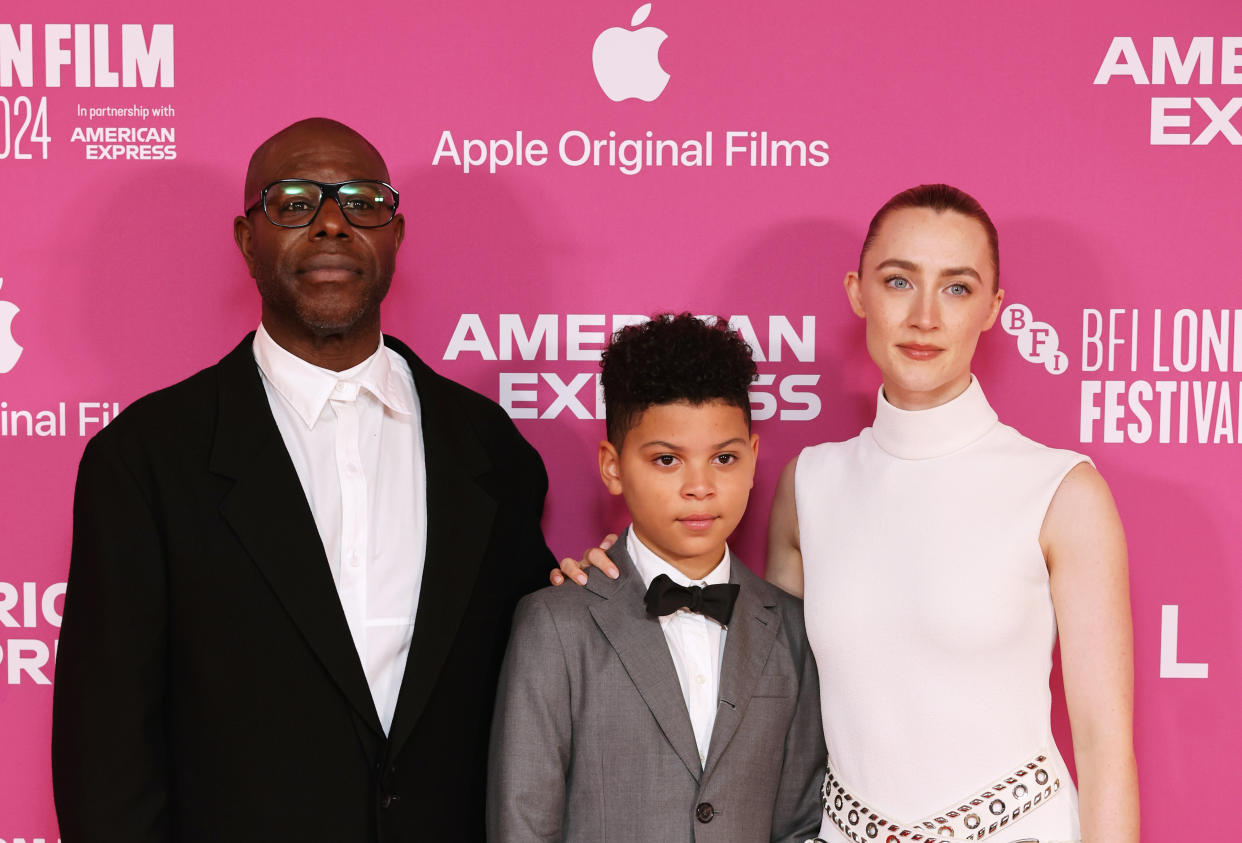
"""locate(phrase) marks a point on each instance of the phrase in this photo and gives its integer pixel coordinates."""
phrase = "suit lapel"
(752, 631)
(640, 645)
(267, 509)
(459, 525)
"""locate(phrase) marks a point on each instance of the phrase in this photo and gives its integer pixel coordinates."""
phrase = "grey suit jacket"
(591, 739)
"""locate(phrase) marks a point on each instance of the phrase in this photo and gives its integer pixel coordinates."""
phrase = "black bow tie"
(715, 601)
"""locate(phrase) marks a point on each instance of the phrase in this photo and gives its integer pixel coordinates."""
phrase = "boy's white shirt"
(696, 642)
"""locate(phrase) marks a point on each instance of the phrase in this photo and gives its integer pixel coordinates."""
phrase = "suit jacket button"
(704, 812)
(386, 800)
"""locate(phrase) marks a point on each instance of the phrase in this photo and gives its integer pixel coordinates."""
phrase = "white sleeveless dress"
(929, 612)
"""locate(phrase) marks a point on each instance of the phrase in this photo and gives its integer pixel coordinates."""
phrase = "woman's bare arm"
(784, 545)
(1085, 548)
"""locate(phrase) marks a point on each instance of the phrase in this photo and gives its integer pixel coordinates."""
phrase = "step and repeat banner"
(566, 168)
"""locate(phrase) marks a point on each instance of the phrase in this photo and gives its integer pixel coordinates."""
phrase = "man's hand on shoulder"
(596, 557)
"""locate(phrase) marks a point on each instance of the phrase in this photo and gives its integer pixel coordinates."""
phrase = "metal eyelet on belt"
(862, 824)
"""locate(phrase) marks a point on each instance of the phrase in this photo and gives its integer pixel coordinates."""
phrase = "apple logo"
(627, 61)
(9, 349)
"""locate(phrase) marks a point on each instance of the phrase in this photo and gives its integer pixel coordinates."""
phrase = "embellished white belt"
(977, 817)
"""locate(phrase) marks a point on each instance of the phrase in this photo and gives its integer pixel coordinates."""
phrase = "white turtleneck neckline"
(934, 432)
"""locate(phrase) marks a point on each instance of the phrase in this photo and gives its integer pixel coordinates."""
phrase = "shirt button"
(700, 679)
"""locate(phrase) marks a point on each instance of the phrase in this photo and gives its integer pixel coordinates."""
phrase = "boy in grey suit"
(680, 701)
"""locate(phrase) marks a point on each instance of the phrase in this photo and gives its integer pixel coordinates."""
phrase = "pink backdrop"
(127, 279)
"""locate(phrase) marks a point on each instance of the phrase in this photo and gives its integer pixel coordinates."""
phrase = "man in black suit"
(293, 574)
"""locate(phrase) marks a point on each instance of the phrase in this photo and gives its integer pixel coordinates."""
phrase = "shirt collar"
(307, 388)
(650, 565)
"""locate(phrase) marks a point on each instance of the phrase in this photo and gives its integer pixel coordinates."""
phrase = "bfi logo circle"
(1037, 341)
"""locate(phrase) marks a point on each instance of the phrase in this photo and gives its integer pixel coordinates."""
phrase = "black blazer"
(207, 687)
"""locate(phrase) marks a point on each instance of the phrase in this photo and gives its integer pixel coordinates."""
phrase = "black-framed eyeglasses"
(294, 203)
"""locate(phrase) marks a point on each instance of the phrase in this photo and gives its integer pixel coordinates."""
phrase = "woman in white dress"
(940, 553)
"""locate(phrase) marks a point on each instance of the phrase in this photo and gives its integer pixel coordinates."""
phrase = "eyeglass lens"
(367, 204)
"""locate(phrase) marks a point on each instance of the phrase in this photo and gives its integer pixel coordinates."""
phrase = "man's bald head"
(270, 160)
(322, 281)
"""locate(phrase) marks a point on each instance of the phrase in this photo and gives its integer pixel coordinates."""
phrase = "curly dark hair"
(672, 359)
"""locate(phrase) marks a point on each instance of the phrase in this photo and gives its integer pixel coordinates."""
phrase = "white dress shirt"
(696, 642)
(356, 441)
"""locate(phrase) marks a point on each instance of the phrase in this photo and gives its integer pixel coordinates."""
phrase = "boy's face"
(686, 472)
